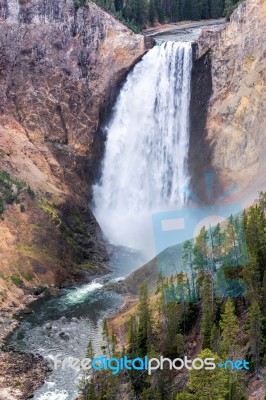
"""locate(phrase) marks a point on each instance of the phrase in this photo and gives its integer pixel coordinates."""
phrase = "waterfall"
(145, 165)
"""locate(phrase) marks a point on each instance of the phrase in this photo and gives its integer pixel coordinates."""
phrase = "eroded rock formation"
(60, 67)
(236, 117)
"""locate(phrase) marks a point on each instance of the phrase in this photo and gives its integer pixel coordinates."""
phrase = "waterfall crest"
(145, 165)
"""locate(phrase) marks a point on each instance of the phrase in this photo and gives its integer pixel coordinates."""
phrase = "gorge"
(76, 89)
(58, 325)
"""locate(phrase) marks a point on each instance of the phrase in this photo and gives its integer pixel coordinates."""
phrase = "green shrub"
(50, 210)
(134, 28)
(10, 191)
(80, 225)
(16, 280)
(10, 197)
(30, 192)
(27, 276)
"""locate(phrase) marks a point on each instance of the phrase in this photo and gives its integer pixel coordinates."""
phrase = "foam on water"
(79, 294)
(56, 395)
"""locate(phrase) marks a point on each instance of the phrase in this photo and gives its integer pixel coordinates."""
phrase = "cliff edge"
(60, 67)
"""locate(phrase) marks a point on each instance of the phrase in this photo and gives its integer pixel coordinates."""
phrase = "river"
(65, 324)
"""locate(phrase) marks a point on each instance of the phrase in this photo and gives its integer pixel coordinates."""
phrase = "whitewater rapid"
(145, 165)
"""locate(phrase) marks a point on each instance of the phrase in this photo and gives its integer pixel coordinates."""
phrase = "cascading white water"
(145, 164)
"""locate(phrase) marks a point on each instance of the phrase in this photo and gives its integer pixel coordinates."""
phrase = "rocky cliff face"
(60, 67)
(236, 117)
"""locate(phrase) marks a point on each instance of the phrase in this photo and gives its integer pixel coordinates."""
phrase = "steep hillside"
(60, 67)
(215, 307)
(168, 262)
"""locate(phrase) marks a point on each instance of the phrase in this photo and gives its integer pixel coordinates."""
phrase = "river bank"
(175, 27)
(61, 324)
(20, 374)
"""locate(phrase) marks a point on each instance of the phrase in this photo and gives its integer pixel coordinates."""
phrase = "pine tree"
(201, 250)
(144, 321)
(132, 335)
(251, 277)
(187, 258)
(230, 243)
(106, 337)
(230, 349)
(175, 10)
(140, 10)
(87, 389)
(152, 12)
(262, 203)
(217, 243)
(160, 10)
(183, 293)
(196, 9)
(181, 9)
(169, 313)
(256, 236)
(255, 333)
(253, 272)
(216, 8)
(208, 385)
(184, 395)
(161, 381)
(215, 339)
(136, 14)
(205, 14)
(172, 325)
(207, 310)
(241, 239)
(263, 295)
(228, 8)
(91, 392)
(236, 390)
(230, 330)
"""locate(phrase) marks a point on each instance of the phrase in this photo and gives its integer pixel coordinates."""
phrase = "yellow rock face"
(237, 115)
(59, 70)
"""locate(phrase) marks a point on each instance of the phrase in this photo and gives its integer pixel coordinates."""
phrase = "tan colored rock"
(59, 71)
(237, 119)
(60, 68)
(67, 62)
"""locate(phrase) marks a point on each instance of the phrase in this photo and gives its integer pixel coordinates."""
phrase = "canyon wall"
(236, 117)
(60, 67)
